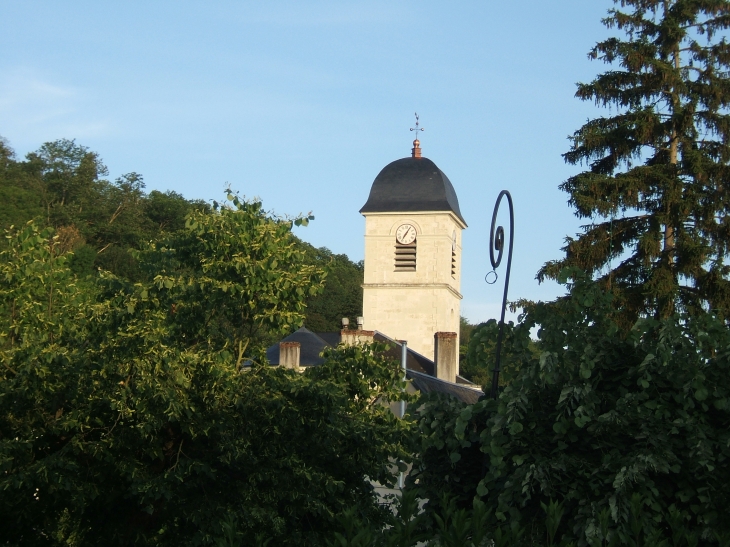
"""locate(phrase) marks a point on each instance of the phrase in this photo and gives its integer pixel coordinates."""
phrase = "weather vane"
(417, 129)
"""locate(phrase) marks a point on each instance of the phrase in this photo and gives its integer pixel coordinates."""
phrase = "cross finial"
(416, 129)
(416, 150)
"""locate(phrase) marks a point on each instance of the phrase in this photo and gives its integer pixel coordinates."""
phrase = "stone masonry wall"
(412, 306)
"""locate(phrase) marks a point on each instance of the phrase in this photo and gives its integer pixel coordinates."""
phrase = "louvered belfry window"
(405, 257)
(453, 263)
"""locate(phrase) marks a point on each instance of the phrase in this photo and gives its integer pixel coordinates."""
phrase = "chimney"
(445, 356)
(289, 354)
(355, 337)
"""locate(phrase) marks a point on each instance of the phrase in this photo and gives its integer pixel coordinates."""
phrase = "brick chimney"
(355, 337)
(445, 356)
(289, 354)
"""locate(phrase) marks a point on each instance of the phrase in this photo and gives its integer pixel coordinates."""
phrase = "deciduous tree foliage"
(342, 294)
(18, 202)
(62, 185)
(621, 428)
(656, 190)
(480, 353)
(231, 278)
(127, 415)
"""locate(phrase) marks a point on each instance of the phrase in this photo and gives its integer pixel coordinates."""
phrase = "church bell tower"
(413, 231)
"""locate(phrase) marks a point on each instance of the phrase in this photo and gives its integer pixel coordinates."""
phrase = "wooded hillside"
(63, 185)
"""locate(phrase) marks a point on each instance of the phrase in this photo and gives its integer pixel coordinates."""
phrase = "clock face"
(406, 234)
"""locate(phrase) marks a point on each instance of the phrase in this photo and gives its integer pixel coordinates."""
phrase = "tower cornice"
(401, 286)
(453, 216)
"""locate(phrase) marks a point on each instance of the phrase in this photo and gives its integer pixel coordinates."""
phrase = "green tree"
(656, 190)
(101, 221)
(236, 279)
(19, 200)
(64, 175)
(465, 332)
(480, 353)
(167, 210)
(342, 294)
(126, 416)
(630, 432)
(62, 185)
(63, 181)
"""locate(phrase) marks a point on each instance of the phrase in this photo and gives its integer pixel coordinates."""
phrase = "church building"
(411, 283)
(412, 253)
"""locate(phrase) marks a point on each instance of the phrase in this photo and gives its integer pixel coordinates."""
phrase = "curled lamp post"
(496, 243)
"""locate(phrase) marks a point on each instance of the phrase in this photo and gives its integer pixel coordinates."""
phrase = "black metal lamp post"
(496, 242)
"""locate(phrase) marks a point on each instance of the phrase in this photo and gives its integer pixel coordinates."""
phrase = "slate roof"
(410, 185)
(332, 338)
(419, 369)
(430, 384)
(414, 360)
(311, 345)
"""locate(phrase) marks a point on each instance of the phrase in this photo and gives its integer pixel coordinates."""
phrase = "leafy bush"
(480, 353)
(597, 420)
(126, 416)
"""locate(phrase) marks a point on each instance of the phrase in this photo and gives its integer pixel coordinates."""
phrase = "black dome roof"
(409, 185)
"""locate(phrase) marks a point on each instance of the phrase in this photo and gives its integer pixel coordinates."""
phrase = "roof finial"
(416, 150)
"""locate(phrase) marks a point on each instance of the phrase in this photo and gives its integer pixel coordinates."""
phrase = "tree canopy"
(630, 433)
(342, 294)
(63, 185)
(140, 412)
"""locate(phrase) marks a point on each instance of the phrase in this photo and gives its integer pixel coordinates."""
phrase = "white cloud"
(34, 109)
(21, 89)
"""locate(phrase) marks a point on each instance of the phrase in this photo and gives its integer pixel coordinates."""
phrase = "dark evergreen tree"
(657, 188)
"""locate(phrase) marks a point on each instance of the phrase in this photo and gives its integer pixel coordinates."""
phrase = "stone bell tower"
(412, 253)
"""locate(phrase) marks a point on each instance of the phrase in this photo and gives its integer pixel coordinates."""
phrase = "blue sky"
(302, 103)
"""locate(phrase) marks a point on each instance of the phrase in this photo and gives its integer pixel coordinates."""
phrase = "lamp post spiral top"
(496, 243)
